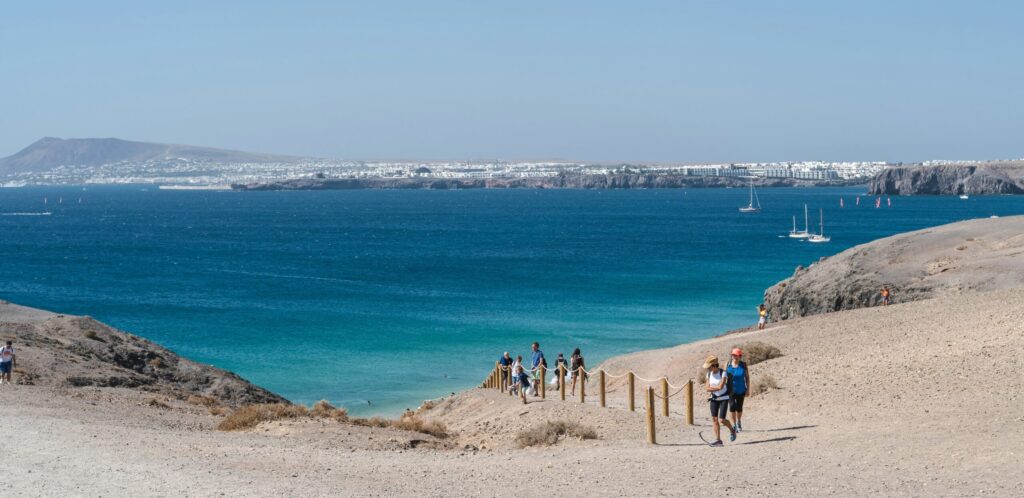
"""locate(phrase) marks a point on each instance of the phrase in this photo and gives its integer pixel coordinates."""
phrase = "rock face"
(985, 179)
(981, 255)
(74, 351)
(563, 181)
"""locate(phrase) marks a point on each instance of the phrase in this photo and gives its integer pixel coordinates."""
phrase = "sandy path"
(921, 399)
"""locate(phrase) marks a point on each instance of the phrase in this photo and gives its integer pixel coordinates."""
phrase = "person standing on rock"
(739, 381)
(718, 385)
(7, 362)
(885, 295)
(762, 316)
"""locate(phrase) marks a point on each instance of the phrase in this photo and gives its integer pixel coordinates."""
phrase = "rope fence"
(501, 379)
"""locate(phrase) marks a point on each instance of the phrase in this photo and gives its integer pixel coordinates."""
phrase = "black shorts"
(736, 402)
(719, 409)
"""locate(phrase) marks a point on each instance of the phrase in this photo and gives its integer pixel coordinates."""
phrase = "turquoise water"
(397, 296)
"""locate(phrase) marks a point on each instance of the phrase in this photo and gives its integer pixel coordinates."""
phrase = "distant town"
(187, 171)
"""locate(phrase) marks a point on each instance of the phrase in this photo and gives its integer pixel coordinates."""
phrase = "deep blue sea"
(392, 297)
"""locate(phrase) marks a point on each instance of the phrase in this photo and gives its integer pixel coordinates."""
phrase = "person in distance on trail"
(522, 382)
(885, 295)
(535, 363)
(560, 362)
(7, 362)
(506, 373)
(762, 316)
(739, 383)
(575, 364)
(718, 385)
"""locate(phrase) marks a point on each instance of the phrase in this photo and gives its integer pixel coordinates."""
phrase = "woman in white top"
(718, 385)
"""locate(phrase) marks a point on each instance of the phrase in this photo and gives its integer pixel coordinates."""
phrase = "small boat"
(802, 234)
(964, 196)
(755, 204)
(820, 237)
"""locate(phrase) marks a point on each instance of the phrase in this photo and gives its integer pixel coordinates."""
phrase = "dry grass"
(218, 410)
(547, 434)
(413, 422)
(755, 352)
(207, 401)
(323, 409)
(156, 403)
(92, 335)
(762, 384)
(372, 422)
(250, 416)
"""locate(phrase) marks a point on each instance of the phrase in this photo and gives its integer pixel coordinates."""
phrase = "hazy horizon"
(657, 82)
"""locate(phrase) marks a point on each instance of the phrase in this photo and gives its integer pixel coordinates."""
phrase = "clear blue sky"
(672, 81)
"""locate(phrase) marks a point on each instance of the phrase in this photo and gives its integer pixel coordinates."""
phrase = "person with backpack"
(560, 362)
(739, 384)
(717, 383)
(7, 362)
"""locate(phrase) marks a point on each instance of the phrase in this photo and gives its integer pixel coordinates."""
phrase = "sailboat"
(751, 208)
(802, 234)
(820, 237)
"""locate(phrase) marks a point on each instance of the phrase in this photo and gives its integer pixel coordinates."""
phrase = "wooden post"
(497, 374)
(632, 394)
(602, 388)
(664, 397)
(543, 382)
(689, 403)
(561, 381)
(651, 438)
(583, 389)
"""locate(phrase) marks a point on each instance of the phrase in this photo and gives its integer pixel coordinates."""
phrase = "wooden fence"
(500, 378)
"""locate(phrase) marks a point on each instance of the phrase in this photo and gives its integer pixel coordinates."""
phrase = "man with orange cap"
(739, 382)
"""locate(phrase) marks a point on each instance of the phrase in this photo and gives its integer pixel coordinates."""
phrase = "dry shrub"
(412, 422)
(156, 403)
(756, 352)
(201, 400)
(762, 384)
(427, 405)
(250, 416)
(92, 335)
(218, 410)
(372, 422)
(547, 434)
(323, 409)
(156, 363)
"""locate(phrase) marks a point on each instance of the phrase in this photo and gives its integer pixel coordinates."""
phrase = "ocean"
(378, 299)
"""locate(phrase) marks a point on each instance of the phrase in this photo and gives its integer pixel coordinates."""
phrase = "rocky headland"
(975, 255)
(998, 177)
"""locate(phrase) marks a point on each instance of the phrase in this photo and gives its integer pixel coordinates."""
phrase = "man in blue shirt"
(506, 363)
(538, 359)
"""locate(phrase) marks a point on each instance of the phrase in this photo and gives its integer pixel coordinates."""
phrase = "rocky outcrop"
(74, 351)
(976, 255)
(974, 179)
(561, 181)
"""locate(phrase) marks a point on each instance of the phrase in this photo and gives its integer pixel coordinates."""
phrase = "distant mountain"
(49, 153)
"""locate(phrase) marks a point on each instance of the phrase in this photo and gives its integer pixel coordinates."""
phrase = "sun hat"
(737, 352)
(710, 361)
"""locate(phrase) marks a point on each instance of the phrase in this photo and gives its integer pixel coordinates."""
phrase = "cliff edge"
(1004, 177)
(975, 255)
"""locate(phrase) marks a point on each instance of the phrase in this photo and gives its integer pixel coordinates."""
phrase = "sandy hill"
(984, 254)
(49, 153)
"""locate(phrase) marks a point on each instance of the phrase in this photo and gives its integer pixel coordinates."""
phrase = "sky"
(640, 81)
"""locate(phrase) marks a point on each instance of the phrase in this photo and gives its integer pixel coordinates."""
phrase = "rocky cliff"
(976, 179)
(976, 255)
(564, 181)
(76, 351)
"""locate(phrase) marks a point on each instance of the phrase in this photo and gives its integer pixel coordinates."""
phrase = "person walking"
(739, 382)
(8, 361)
(535, 362)
(506, 369)
(522, 382)
(885, 295)
(718, 385)
(575, 364)
(762, 316)
(560, 362)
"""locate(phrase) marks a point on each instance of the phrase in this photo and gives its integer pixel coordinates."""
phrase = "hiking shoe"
(717, 444)
(739, 426)
(732, 436)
